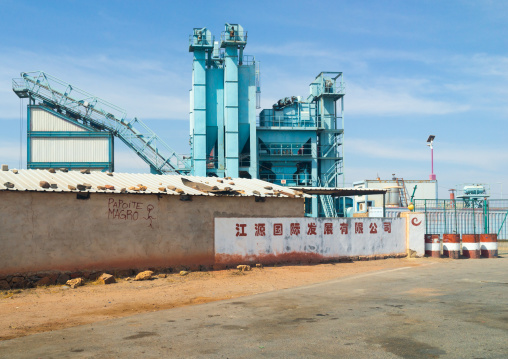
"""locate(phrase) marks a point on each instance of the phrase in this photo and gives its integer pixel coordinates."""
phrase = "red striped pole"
(471, 245)
(451, 245)
(432, 245)
(488, 245)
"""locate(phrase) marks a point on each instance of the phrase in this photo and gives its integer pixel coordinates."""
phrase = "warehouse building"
(70, 221)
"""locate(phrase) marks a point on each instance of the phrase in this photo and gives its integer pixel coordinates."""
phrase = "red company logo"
(415, 223)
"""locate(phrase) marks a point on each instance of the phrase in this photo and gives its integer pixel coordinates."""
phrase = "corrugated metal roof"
(29, 180)
(337, 191)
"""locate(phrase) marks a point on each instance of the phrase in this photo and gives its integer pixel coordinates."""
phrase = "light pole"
(430, 142)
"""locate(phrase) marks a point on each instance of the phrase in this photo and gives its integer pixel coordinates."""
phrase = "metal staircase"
(402, 192)
(328, 207)
(327, 204)
(91, 110)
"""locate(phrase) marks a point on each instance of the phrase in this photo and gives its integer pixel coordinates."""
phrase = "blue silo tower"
(223, 105)
(297, 143)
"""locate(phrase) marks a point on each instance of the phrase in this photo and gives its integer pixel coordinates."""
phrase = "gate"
(466, 216)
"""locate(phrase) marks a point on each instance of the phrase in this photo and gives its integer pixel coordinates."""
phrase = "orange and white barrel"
(432, 245)
(488, 245)
(451, 245)
(471, 245)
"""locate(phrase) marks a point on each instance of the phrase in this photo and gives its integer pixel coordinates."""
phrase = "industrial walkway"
(450, 309)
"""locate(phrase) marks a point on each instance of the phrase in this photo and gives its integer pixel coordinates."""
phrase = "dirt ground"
(29, 311)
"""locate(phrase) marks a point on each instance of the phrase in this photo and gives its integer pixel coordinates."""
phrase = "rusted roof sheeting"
(29, 180)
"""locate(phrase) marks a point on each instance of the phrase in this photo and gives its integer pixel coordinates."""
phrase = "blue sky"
(412, 68)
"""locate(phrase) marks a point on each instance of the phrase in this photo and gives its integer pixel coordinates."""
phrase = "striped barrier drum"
(471, 245)
(451, 245)
(488, 245)
(432, 245)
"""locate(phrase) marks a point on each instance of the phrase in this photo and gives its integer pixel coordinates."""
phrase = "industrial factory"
(259, 185)
(297, 142)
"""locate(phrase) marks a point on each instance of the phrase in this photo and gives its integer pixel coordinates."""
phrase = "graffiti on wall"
(119, 209)
(149, 217)
(327, 237)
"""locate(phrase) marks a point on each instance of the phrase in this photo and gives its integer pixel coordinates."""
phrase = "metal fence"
(465, 216)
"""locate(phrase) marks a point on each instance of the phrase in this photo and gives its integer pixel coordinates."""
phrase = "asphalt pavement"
(444, 309)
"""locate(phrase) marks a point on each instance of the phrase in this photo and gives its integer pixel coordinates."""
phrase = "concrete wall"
(415, 232)
(56, 231)
(269, 240)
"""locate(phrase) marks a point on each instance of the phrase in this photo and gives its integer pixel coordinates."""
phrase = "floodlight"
(430, 142)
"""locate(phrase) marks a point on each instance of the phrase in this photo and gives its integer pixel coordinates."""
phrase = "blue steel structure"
(223, 104)
(87, 110)
(300, 142)
(86, 132)
(296, 142)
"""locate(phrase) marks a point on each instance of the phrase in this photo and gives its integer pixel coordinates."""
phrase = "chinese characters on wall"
(311, 229)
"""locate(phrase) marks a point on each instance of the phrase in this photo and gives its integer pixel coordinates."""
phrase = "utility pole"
(430, 142)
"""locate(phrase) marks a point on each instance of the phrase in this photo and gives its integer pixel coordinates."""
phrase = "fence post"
(426, 219)
(486, 216)
(484, 223)
(444, 215)
(456, 221)
(474, 217)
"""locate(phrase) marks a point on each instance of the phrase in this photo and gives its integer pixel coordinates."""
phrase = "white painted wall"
(415, 231)
(76, 149)
(239, 239)
(42, 120)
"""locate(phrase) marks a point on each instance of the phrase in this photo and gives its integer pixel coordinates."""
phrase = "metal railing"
(201, 40)
(248, 60)
(285, 149)
(465, 216)
(19, 84)
(297, 149)
(233, 36)
(331, 176)
(338, 88)
(295, 121)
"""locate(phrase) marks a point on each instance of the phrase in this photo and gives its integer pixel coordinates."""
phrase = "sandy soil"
(30, 311)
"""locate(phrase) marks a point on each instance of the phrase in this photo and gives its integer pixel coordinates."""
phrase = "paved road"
(455, 309)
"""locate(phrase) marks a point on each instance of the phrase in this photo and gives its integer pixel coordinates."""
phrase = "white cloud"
(150, 89)
(126, 161)
(10, 154)
(383, 97)
(483, 64)
(144, 88)
(478, 157)
(292, 49)
(315, 49)
(383, 101)
(429, 83)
